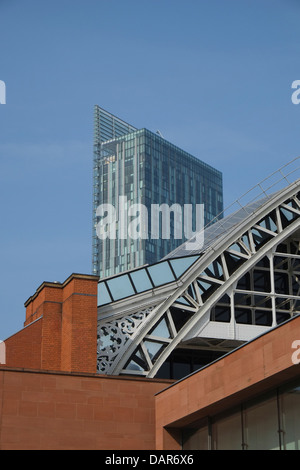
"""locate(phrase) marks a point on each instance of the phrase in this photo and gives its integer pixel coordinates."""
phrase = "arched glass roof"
(174, 265)
(243, 280)
(242, 209)
(143, 279)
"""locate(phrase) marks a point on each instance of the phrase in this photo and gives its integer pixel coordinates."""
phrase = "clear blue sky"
(214, 76)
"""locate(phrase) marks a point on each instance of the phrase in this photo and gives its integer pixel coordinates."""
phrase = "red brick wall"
(24, 348)
(60, 331)
(47, 410)
(79, 326)
(51, 336)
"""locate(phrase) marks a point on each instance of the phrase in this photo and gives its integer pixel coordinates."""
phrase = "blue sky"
(214, 76)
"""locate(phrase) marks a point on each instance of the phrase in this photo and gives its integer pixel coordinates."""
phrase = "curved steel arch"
(149, 343)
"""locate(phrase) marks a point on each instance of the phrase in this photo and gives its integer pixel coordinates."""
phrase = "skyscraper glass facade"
(144, 168)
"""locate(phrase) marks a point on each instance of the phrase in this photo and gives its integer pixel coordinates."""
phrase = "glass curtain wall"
(172, 176)
(120, 177)
(271, 422)
(146, 169)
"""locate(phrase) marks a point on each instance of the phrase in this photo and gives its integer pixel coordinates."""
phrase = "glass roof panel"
(103, 294)
(161, 273)
(180, 265)
(141, 280)
(120, 287)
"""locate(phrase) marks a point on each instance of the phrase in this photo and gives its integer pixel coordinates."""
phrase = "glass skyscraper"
(136, 166)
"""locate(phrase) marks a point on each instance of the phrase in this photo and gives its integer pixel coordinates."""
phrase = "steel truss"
(243, 284)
